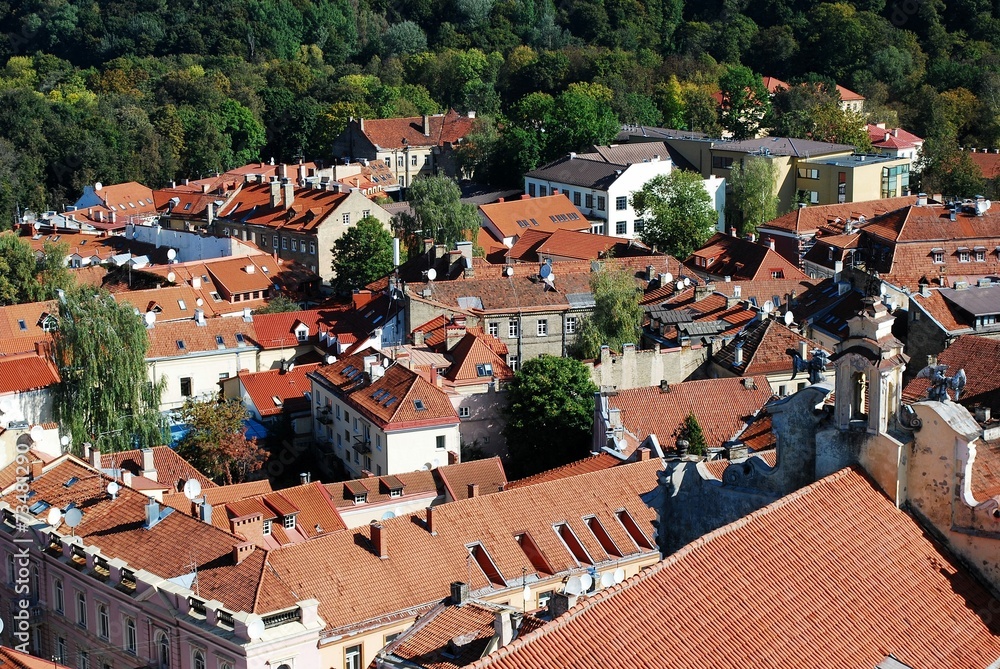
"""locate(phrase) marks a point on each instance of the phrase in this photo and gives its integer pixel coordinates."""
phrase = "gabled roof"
(378, 489)
(549, 213)
(278, 330)
(725, 255)
(288, 387)
(809, 220)
(848, 95)
(723, 408)
(487, 474)
(980, 358)
(476, 362)
(866, 581)
(767, 346)
(892, 138)
(585, 246)
(592, 463)
(395, 133)
(577, 171)
(21, 326)
(171, 469)
(21, 373)
(310, 208)
(164, 337)
(947, 315)
(217, 495)
(987, 161)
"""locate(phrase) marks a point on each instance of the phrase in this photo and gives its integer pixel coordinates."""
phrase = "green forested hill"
(153, 90)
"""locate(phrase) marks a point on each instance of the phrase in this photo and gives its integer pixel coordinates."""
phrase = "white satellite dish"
(669, 277)
(255, 627)
(64, 440)
(680, 285)
(619, 575)
(36, 433)
(1, 625)
(199, 302)
(508, 271)
(526, 593)
(150, 318)
(6, 405)
(607, 579)
(98, 186)
(432, 274)
(789, 318)
(330, 359)
(171, 254)
(171, 277)
(398, 511)
(113, 489)
(768, 307)
(586, 580)
(192, 488)
(687, 282)
(574, 586)
(437, 462)
(73, 516)
(54, 517)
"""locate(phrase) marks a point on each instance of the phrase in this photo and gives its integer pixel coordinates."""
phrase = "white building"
(601, 184)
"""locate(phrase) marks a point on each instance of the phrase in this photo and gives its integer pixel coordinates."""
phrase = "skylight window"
(22, 325)
(379, 394)
(276, 400)
(484, 369)
(180, 345)
(180, 303)
(38, 507)
(392, 400)
(240, 339)
(70, 482)
(419, 405)
(187, 206)
(219, 341)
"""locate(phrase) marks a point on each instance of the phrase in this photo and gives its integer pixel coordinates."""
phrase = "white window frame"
(464, 412)
(493, 328)
(103, 621)
(571, 325)
(513, 329)
(130, 635)
(542, 327)
(346, 218)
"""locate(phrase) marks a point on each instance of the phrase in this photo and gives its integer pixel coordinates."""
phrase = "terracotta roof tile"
(289, 387)
(171, 469)
(219, 495)
(767, 347)
(487, 474)
(941, 310)
(525, 249)
(310, 208)
(724, 255)
(717, 468)
(980, 358)
(809, 220)
(12, 659)
(988, 163)
(593, 463)
(548, 213)
(21, 326)
(722, 407)
(569, 244)
(476, 362)
(21, 373)
(415, 484)
(389, 133)
(866, 581)
(164, 337)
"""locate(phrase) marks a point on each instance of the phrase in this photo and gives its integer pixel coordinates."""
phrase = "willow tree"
(617, 316)
(105, 396)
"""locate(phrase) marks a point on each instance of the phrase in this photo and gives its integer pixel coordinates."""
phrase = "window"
(621, 203)
(440, 442)
(84, 660)
(413, 160)
(131, 641)
(388, 162)
(777, 274)
(805, 173)
(639, 225)
(571, 325)
(938, 255)
(572, 543)
(600, 203)
(389, 638)
(621, 227)
(352, 657)
(590, 201)
(544, 597)
(346, 218)
(484, 369)
(295, 245)
(512, 362)
(263, 240)
(225, 665)
(512, 329)
(814, 197)
(163, 650)
(427, 160)
(841, 187)
(378, 442)
(543, 327)
(198, 660)
(274, 241)
(312, 248)
(284, 242)
(186, 386)
(288, 522)
(782, 391)
(542, 191)
(531, 190)
(60, 650)
(721, 162)
(576, 198)
(463, 412)
(103, 622)
(963, 256)
(494, 329)
(266, 530)
(302, 334)
(60, 602)
(980, 255)
(81, 609)
(399, 161)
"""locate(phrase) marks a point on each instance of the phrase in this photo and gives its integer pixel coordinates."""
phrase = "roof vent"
(749, 383)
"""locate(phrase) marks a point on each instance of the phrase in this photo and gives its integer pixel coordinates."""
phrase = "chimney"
(499, 200)
(560, 603)
(36, 469)
(196, 282)
(304, 478)
(738, 354)
(199, 316)
(206, 512)
(428, 245)
(289, 194)
(649, 272)
(95, 458)
(148, 467)
(427, 125)
(430, 522)
(770, 243)
(126, 478)
(282, 171)
(379, 540)
(473, 490)
(921, 199)
(210, 212)
(803, 349)
(471, 114)
(886, 137)
(361, 124)
(644, 454)
(418, 338)
(275, 194)
(242, 551)
(503, 628)
(152, 514)
(459, 593)
(525, 196)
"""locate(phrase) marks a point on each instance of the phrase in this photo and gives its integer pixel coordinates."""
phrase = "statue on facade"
(815, 365)
(941, 384)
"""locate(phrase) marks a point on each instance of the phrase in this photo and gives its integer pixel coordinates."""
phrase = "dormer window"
(360, 498)
(288, 522)
(302, 332)
(937, 255)
(267, 527)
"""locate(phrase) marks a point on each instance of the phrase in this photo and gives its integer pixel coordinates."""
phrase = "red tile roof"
(420, 483)
(21, 373)
(724, 255)
(390, 133)
(866, 582)
(12, 659)
(488, 475)
(593, 463)
(986, 470)
(722, 407)
(289, 387)
(988, 163)
(980, 358)
(548, 213)
(471, 356)
(892, 138)
(525, 249)
(171, 469)
(848, 95)
(586, 246)
(767, 346)
(196, 338)
(217, 495)
(310, 208)
(809, 220)
(21, 326)
(717, 468)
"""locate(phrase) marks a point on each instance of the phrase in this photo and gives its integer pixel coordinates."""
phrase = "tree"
(104, 395)
(53, 275)
(217, 443)
(617, 316)
(362, 254)
(403, 38)
(17, 270)
(690, 430)
(279, 304)
(745, 101)
(677, 211)
(438, 213)
(550, 414)
(754, 182)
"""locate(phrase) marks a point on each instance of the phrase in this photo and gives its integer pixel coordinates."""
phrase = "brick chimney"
(242, 551)
(95, 458)
(473, 490)
(275, 194)
(36, 469)
(289, 194)
(430, 521)
(378, 539)
(427, 125)
(643, 454)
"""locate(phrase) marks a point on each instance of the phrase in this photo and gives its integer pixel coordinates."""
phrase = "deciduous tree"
(17, 270)
(362, 254)
(754, 182)
(677, 211)
(438, 213)
(745, 101)
(617, 316)
(217, 443)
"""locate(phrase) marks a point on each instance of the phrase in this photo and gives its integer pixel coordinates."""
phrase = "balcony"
(362, 446)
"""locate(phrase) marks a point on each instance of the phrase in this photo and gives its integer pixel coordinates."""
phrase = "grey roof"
(670, 316)
(702, 327)
(580, 300)
(637, 152)
(782, 146)
(581, 172)
(975, 300)
(478, 194)
(638, 133)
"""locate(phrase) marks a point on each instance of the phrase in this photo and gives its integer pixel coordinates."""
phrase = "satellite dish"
(36, 433)
(150, 318)
(73, 517)
(545, 271)
(199, 302)
(508, 271)
(619, 575)
(192, 488)
(255, 627)
(687, 282)
(574, 586)
(54, 517)
(171, 254)
(398, 511)
(330, 359)
(388, 514)
(789, 318)
(171, 277)
(432, 274)
(64, 440)
(607, 579)
(586, 580)
(1, 624)
(437, 462)
(526, 594)
(428, 466)
(768, 307)
(669, 277)
(680, 285)
(98, 186)
(113, 488)
(6, 405)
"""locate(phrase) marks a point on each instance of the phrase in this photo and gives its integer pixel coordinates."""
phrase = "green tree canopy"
(18, 282)
(105, 395)
(216, 442)
(745, 101)
(362, 254)
(550, 414)
(438, 213)
(678, 212)
(279, 304)
(617, 316)
(754, 182)
(690, 430)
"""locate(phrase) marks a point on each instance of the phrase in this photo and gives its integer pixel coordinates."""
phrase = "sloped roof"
(988, 163)
(808, 220)
(217, 495)
(171, 469)
(725, 255)
(865, 582)
(487, 474)
(586, 246)
(164, 337)
(577, 171)
(848, 95)
(395, 133)
(310, 208)
(766, 348)
(892, 138)
(420, 483)
(592, 463)
(21, 326)
(942, 311)
(980, 358)
(470, 357)
(21, 373)
(722, 407)
(12, 659)
(548, 213)
(289, 387)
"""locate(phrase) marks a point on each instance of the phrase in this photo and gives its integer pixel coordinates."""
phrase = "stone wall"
(635, 368)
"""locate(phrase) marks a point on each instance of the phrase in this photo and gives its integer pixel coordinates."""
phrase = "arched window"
(130, 637)
(103, 621)
(225, 665)
(199, 660)
(81, 609)
(163, 650)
